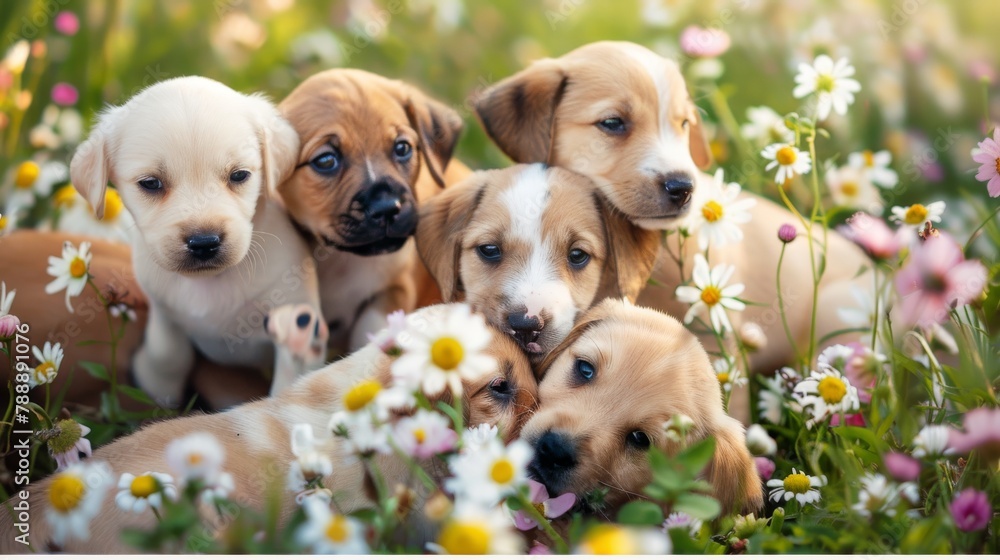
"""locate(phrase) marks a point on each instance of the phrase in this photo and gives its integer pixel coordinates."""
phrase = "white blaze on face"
(538, 285)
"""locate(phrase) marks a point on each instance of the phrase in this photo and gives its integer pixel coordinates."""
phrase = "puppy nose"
(555, 451)
(383, 207)
(679, 188)
(525, 329)
(204, 246)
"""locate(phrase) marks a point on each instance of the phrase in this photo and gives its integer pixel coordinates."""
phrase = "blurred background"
(927, 67)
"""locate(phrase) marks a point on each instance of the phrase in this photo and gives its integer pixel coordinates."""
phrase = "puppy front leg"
(300, 335)
(163, 362)
(372, 317)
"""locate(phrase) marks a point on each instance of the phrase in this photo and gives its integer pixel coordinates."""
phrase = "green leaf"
(697, 505)
(137, 394)
(640, 513)
(96, 370)
(696, 457)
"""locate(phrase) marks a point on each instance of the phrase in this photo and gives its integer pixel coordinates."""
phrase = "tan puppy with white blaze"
(197, 164)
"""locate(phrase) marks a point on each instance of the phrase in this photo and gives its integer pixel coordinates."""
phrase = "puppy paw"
(300, 330)
(167, 390)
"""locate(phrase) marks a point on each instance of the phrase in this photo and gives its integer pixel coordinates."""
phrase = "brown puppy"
(371, 150)
(257, 447)
(531, 247)
(607, 391)
(621, 114)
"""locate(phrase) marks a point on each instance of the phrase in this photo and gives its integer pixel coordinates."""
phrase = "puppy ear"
(701, 153)
(90, 168)
(518, 113)
(439, 127)
(732, 471)
(631, 254)
(439, 231)
(279, 144)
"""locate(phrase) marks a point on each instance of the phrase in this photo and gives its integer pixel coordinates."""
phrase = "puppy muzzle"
(554, 460)
(379, 220)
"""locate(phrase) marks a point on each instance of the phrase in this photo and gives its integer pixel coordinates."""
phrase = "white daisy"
(797, 485)
(931, 442)
(832, 83)
(491, 474)
(837, 356)
(49, 358)
(473, 529)
(827, 392)
(32, 180)
(711, 293)
(771, 399)
(6, 299)
(759, 442)
(875, 167)
(74, 498)
(851, 189)
(196, 456)
(385, 339)
(476, 438)
(766, 127)
(624, 540)
(325, 532)
(918, 214)
(311, 461)
(78, 217)
(424, 435)
(447, 346)
(71, 271)
(136, 493)
(719, 213)
(880, 495)
(789, 160)
(218, 488)
(363, 433)
(728, 374)
(678, 427)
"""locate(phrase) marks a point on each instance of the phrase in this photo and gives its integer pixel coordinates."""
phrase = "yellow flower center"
(338, 529)
(608, 539)
(711, 295)
(26, 174)
(420, 435)
(64, 197)
(447, 353)
(998, 165)
(832, 390)
(460, 537)
(195, 459)
(143, 486)
(502, 471)
(361, 394)
(712, 211)
(723, 378)
(66, 492)
(77, 268)
(786, 155)
(43, 371)
(825, 82)
(850, 189)
(112, 206)
(3, 223)
(916, 214)
(797, 483)
(869, 158)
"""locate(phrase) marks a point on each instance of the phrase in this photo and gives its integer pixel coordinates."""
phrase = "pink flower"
(982, 432)
(856, 419)
(67, 23)
(989, 157)
(704, 42)
(872, 235)
(765, 467)
(64, 94)
(982, 70)
(386, 338)
(9, 325)
(787, 233)
(971, 510)
(71, 456)
(424, 434)
(550, 508)
(859, 364)
(539, 549)
(901, 466)
(935, 280)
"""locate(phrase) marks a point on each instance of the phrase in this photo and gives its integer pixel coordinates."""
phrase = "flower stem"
(965, 250)
(781, 305)
(529, 509)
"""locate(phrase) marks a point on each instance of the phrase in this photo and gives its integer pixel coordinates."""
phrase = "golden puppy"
(256, 438)
(621, 114)
(372, 149)
(531, 247)
(607, 391)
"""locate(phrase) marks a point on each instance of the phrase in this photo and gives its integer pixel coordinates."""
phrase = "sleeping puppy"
(256, 438)
(621, 114)
(531, 247)
(372, 150)
(607, 391)
(197, 164)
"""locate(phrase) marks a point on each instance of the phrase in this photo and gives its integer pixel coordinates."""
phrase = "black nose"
(383, 207)
(525, 329)
(204, 246)
(554, 458)
(679, 188)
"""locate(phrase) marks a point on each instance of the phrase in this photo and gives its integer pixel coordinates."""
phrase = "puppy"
(256, 438)
(621, 114)
(531, 247)
(197, 165)
(371, 150)
(584, 436)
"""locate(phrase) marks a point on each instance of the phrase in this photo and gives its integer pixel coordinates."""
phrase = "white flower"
(759, 442)
(78, 217)
(136, 493)
(624, 540)
(218, 488)
(678, 427)
(797, 485)
(325, 532)
(6, 299)
(711, 293)
(74, 498)
(364, 433)
(851, 189)
(49, 359)
(837, 356)
(766, 127)
(196, 456)
(831, 81)
(424, 434)
(31, 180)
(827, 392)
(875, 167)
(918, 214)
(491, 474)
(752, 336)
(310, 463)
(71, 271)
(122, 310)
(931, 442)
(728, 375)
(473, 529)
(385, 339)
(679, 519)
(719, 213)
(772, 398)
(789, 161)
(879, 495)
(477, 438)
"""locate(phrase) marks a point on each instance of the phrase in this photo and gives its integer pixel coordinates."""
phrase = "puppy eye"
(239, 176)
(150, 183)
(501, 388)
(489, 253)
(326, 163)
(637, 439)
(402, 150)
(578, 258)
(685, 124)
(584, 370)
(614, 125)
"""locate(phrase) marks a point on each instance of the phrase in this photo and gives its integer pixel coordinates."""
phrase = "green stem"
(817, 275)
(965, 250)
(781, 306)
(529, 509)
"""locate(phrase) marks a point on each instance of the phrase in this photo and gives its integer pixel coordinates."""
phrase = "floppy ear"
(732, 471)
(632, 253)
(439, 232)
(439, 127)
(701, 154)
(518, 113)
(279, 144)
(90, 168)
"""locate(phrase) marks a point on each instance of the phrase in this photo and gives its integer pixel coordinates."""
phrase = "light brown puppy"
(372, 149)
(531, 247)
(608, 389)
(256, 439)
(621, 114)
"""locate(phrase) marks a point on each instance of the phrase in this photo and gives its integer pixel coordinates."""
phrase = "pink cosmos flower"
(935, 280)
(551, 508)
(982, 432)
(989, 157)
(424, 434)
(704, 42)
(765, 467)
(872, 235)
(539, 549)
(901, 466)
(9, 325)
(66, 23)
(64, 94)
(971, 510)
